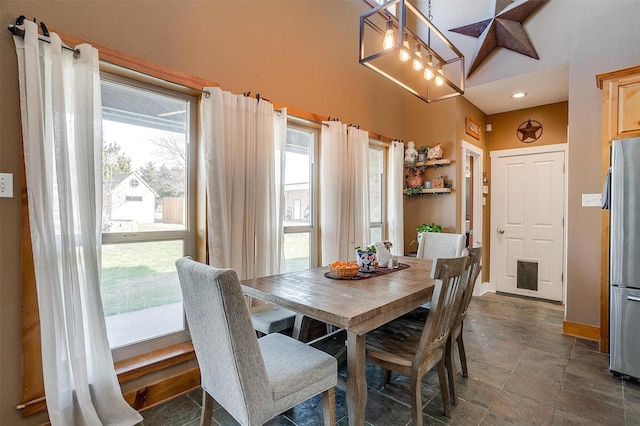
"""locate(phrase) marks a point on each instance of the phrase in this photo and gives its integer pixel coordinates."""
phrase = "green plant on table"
(366, 249)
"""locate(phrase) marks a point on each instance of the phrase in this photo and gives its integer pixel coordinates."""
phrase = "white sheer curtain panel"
(358, 156)
(395, 185)
(344, 190)
(244, 182)
(62, 136)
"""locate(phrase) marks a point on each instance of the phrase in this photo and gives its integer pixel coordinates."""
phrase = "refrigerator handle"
(633, 298)
(606, 191)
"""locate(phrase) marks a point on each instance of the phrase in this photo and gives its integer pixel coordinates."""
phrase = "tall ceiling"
(504, 72)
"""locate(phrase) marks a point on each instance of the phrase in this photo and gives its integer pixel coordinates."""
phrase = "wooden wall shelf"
(434, 163)
(432, 191)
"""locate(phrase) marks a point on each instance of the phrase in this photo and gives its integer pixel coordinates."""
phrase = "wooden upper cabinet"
(621, 103)
(620, 119)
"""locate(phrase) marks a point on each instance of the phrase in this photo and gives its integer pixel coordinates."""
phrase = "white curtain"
(395, 185)
(344, 191)
(61, 126)
(244, 144)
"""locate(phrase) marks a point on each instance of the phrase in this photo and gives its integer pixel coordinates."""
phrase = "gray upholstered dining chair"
(267, 319)
(412, 348)
(436, 245)
(253, 379)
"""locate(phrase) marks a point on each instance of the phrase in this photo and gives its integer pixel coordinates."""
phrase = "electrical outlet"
(6, 185)
(591, 200)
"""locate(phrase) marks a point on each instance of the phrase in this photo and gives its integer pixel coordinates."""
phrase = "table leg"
(301, 328)
(356, 378)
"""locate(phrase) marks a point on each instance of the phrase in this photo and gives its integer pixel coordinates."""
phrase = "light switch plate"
(6, 185)
(591, 200)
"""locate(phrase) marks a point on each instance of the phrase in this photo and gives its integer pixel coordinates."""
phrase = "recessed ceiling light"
(519, 95)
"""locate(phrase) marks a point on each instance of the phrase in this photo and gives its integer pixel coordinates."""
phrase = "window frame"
(187, 235)
(312, 228)
(377, 145)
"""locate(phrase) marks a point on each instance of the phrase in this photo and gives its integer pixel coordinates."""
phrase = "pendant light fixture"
(433, 69)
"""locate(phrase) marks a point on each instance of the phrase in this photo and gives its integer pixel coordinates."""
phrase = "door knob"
(500, 231)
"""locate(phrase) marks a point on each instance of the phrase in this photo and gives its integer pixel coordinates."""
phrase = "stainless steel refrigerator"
(624, 263)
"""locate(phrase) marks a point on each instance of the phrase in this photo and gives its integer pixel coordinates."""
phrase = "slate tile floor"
(522, 371)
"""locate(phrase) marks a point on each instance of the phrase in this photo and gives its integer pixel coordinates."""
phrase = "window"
(377, 182)
(300, 234)
(148, 213)
(390, 9)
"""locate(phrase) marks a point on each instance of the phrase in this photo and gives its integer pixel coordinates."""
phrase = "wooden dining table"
(358, 305)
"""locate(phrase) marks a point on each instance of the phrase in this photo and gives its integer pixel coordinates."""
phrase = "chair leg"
(207, 408)
(416, 400)
(385, 377)
(329, 406)
(463, 356)
(442, 378)
(451, 371)
(301, 328)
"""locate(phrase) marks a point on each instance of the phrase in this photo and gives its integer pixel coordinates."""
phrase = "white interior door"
(527, 225)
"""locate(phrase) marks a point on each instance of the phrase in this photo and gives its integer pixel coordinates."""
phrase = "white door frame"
(478, 206)
(543, 149)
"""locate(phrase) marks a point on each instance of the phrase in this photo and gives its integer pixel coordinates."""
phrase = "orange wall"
(554, 119)
(442, 122)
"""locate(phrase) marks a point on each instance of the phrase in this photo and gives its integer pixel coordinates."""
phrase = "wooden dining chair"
(253, 379)
(472, 273)
(413, 349)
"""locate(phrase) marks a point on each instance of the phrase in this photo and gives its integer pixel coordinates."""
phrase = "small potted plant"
(366, 257)
(426, 227)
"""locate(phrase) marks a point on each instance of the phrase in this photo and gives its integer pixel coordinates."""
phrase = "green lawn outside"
(142, 275)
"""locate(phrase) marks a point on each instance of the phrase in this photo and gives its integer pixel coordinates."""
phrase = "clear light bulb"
(404, 52)
(417, 63)
(428, 74)
(439, 80)
(388, 36)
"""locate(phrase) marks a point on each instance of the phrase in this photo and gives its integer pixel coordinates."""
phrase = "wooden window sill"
(138, 366)
(132, 368)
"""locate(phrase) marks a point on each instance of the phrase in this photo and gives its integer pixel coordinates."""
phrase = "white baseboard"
(483, 288)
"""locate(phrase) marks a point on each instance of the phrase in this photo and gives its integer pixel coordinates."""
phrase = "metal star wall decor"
(529, 131)
(503, 30)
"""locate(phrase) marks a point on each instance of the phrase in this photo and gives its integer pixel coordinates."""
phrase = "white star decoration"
(503, 30)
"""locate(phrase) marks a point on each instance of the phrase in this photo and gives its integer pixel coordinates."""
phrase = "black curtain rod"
(17, 31)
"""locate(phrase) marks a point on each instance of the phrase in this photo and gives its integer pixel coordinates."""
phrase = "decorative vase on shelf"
(435, 153)
(415, 180)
